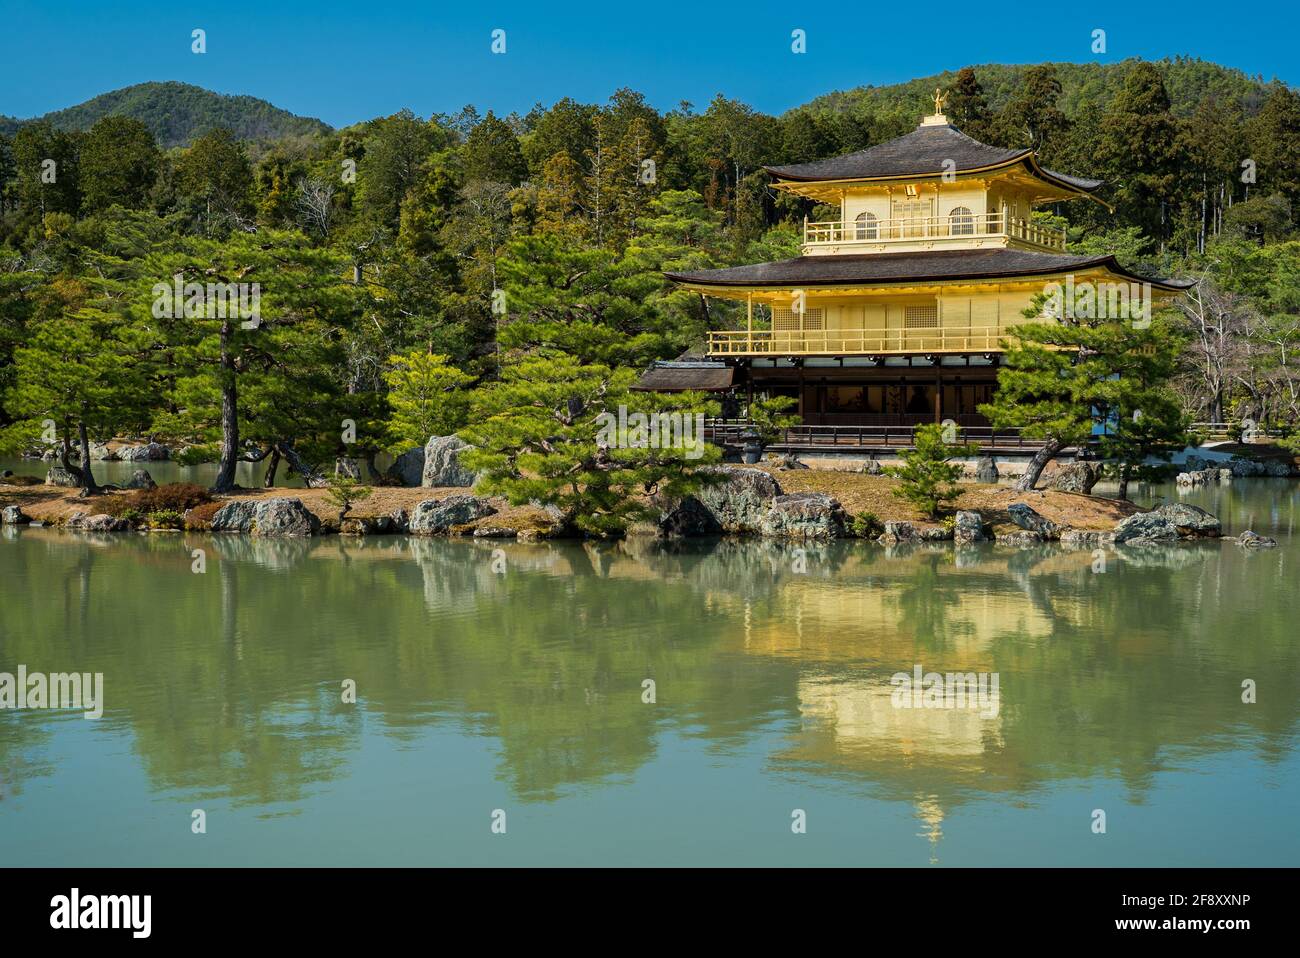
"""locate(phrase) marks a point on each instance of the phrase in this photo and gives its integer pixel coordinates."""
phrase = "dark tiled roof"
(923, 152)
(678, 376)
(865, 269)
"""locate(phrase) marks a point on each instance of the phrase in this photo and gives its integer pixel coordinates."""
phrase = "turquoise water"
(512, 680)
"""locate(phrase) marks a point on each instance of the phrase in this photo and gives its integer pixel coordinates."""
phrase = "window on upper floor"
(961, 221)
(867, 226)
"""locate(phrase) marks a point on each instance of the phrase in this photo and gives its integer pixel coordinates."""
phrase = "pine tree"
(926, 477)
(542, 434)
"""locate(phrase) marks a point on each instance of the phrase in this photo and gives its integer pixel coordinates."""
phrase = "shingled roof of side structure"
(926, 151)
(867, 269)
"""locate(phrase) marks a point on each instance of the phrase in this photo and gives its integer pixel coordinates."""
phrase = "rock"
(283, 517)
(64, 478)
(1077, 477)
(788, 461)
(1244, 468)
(740, 500)
(140, 479)
(1196, 463)
(1025, 537)
(689, 517)
(896, 532)
(1086, 538)
(49, 455)
(14, 516)
(99, 451)
(442, 463)
(266, 518)
(986, 470)
(969, 527)
(1190, 521)
(1029, 520)
(99, 523)
(805, 515)
(399, 521)
(1145, 527)
(433, 516)
(1200, 477)
(1225, 475)
(346, 468)
(495, 532)
(149, 452)
(872, 467)
(1253, 540)
(408, 468)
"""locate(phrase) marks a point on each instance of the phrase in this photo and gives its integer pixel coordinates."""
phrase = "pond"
(637, 703)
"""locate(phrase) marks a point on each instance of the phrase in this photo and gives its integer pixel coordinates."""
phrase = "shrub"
(165, 519)
(925, 475)
(199, 519)
(173, 497)
(196, 455)
(866, 525)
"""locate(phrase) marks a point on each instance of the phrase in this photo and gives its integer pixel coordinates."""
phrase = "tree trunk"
(309, 475)
(1123, 481)
(88, 483)
(1037, 464)
(272, 467)
(225, 481)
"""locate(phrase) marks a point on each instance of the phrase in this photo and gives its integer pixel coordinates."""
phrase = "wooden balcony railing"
(814, 438)
(912, 228)
(869, 342)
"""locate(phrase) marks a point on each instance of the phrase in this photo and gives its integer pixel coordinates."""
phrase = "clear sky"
(350, 61)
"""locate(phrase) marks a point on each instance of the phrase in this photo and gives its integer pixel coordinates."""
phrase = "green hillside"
(1189, 81)
(176, 113)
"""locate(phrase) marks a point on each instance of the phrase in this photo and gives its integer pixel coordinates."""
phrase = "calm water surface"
(521, 690)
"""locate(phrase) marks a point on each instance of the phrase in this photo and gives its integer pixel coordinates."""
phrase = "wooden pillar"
(938, 390)
(749, 322)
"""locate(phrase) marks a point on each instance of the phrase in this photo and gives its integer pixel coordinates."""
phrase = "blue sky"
(344, 62)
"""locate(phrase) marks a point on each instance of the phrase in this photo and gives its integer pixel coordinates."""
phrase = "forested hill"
(177, 113)
(1188, 81)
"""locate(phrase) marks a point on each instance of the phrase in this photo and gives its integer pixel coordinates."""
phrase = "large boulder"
(442, 463)
(1244, 468)
(1199, 477)
(99, 451)
(1145, 527)
(408, 468)
(805, 515)
(14, 516)
(65, 478)
(1075, 477)
(99, 523)
(345, 467)
(434, 516)
(1191, 522)
(986, 470)
(149, 452)
(968, 528)
(266, 518)
(689, 517)
(740, 499)
(872, 467)
(1029, 520)
(140, 479)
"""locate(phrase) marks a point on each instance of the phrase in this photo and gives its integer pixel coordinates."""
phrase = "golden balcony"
(957, 230)
(858, 342)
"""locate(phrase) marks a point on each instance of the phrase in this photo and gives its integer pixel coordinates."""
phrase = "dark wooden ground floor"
(893, 395)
